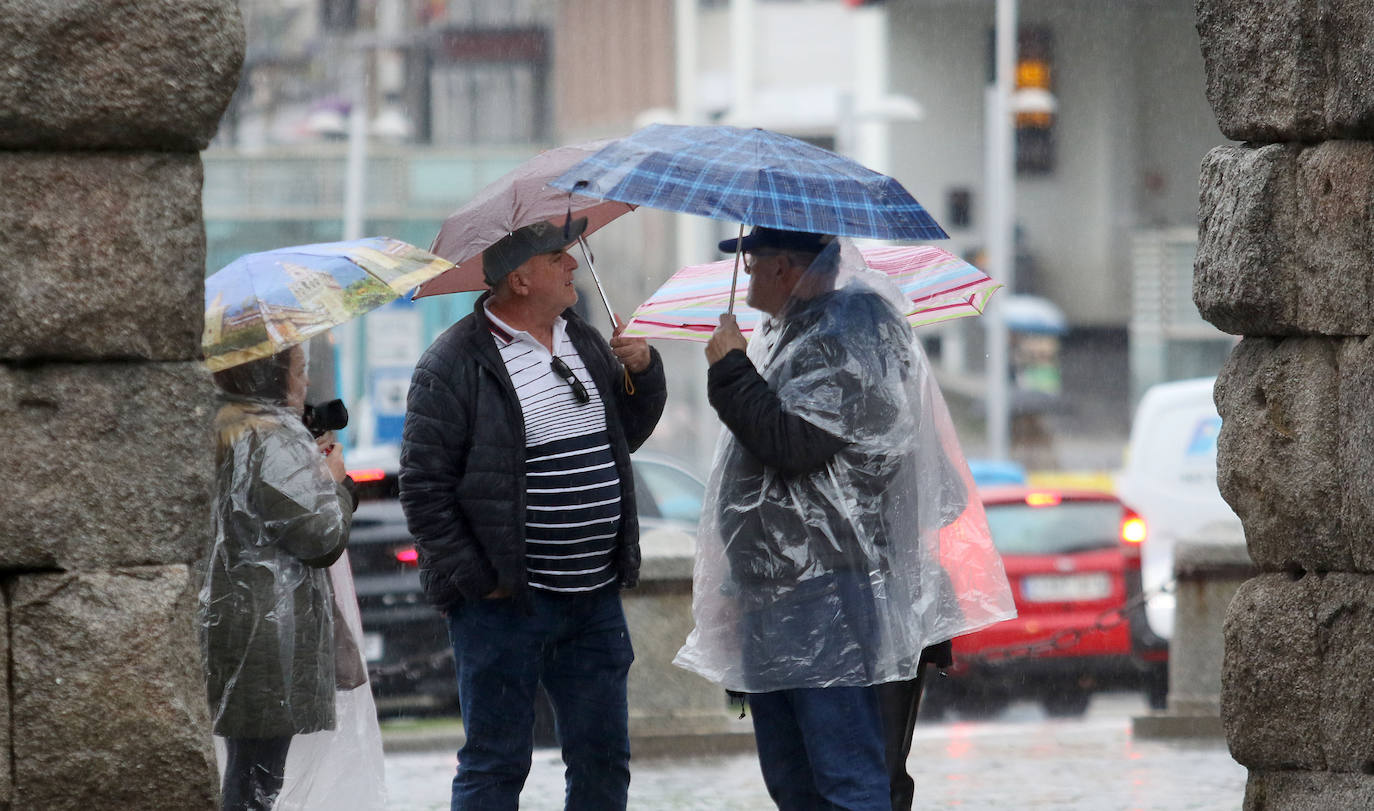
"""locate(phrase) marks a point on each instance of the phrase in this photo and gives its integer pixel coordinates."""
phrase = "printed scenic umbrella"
(521, 197)
(939, 286)
(262, 303)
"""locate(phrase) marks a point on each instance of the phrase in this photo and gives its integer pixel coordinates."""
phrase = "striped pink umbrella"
(939, 286)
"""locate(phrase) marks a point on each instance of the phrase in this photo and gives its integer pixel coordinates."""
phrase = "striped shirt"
(572, 488)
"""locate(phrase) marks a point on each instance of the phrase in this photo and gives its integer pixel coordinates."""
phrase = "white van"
(1170, 479)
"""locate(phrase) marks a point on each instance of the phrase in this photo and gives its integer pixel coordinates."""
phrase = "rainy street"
(1020, 760)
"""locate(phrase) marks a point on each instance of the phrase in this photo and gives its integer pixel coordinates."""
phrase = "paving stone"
(102, 255)
(109, 705)
(116, 74)
(106, 464)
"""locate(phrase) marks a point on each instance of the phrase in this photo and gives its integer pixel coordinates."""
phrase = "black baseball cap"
(522, 244)
(776, 239)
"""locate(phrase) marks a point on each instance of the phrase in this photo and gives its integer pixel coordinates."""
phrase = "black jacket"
(463, 458)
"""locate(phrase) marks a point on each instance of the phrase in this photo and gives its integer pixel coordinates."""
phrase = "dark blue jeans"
(822, 748)
(579, 647)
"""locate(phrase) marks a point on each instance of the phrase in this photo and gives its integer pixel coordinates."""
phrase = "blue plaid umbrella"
(753, 177)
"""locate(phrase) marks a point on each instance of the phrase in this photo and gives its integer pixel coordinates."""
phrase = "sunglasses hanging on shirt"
(579, 391)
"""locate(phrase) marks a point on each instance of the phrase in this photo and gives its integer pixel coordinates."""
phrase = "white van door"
(1170, 479)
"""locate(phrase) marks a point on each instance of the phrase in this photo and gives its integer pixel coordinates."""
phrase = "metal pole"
(693, 237)
(743, 38)
(355, 176)
(350, 335)
(1001, 194)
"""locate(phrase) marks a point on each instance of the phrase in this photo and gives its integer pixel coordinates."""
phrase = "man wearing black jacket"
(800, 537)
(517, 486)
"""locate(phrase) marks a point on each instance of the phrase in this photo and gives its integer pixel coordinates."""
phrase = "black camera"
(325, 417)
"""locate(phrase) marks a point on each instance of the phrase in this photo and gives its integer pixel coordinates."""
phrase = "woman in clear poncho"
(267, 610)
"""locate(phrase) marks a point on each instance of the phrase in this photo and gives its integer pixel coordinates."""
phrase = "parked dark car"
(1073, 560)
(405, 640)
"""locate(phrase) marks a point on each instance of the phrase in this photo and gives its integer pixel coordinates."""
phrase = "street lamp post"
(1000, 163)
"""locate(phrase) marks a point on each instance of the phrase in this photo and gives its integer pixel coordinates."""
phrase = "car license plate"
(1053, 588)
(372, 646)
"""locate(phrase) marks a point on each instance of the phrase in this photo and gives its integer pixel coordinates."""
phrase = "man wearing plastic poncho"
(840, 535)
(278, 615)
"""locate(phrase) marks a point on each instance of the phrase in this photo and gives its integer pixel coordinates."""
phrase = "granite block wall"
(104, 407)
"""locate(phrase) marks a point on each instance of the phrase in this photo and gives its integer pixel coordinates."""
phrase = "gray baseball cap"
(522, 244)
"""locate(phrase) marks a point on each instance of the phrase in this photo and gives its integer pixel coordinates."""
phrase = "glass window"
(1070, 526)
(677, 493)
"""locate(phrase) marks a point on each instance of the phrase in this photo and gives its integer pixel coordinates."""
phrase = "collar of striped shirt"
(507, 334)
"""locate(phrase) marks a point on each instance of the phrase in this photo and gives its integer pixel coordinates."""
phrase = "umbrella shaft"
(587, 255)
(734, 279)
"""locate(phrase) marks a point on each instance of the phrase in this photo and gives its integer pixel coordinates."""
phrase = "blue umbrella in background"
(1023, 313)
(753, 177)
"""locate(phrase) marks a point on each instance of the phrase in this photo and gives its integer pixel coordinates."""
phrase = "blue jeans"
(579, 647)
(822, 748)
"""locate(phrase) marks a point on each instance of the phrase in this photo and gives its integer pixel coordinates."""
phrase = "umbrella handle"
(735, 277)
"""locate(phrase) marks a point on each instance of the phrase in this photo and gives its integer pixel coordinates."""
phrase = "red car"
(1073, 560)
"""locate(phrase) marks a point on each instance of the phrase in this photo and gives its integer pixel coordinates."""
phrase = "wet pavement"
(1020, 761)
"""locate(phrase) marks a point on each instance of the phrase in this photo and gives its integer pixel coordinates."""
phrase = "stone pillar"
(1286, 259)
(104, 407)
(1208, 571)
(672, 711)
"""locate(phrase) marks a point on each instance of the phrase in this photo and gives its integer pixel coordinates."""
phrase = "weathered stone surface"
(128, 74)
(1293, 454)
(105, 464)
(1356, 449)
(1296, 694)
(109, 699)
(1289, 70)
(1286, 239)
(1271, 675)
(1277, 459)
(6, 784)
(1345, 632)
(1333, 277)
(1307, 791)
(101, 255)
(1245, 238)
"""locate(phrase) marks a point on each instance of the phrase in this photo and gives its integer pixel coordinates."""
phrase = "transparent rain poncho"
(842, 576)
(280, 630)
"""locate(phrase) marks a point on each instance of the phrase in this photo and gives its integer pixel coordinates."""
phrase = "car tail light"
(1043, 499)
(408, 555)
(1133, 532)
(367, 475)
